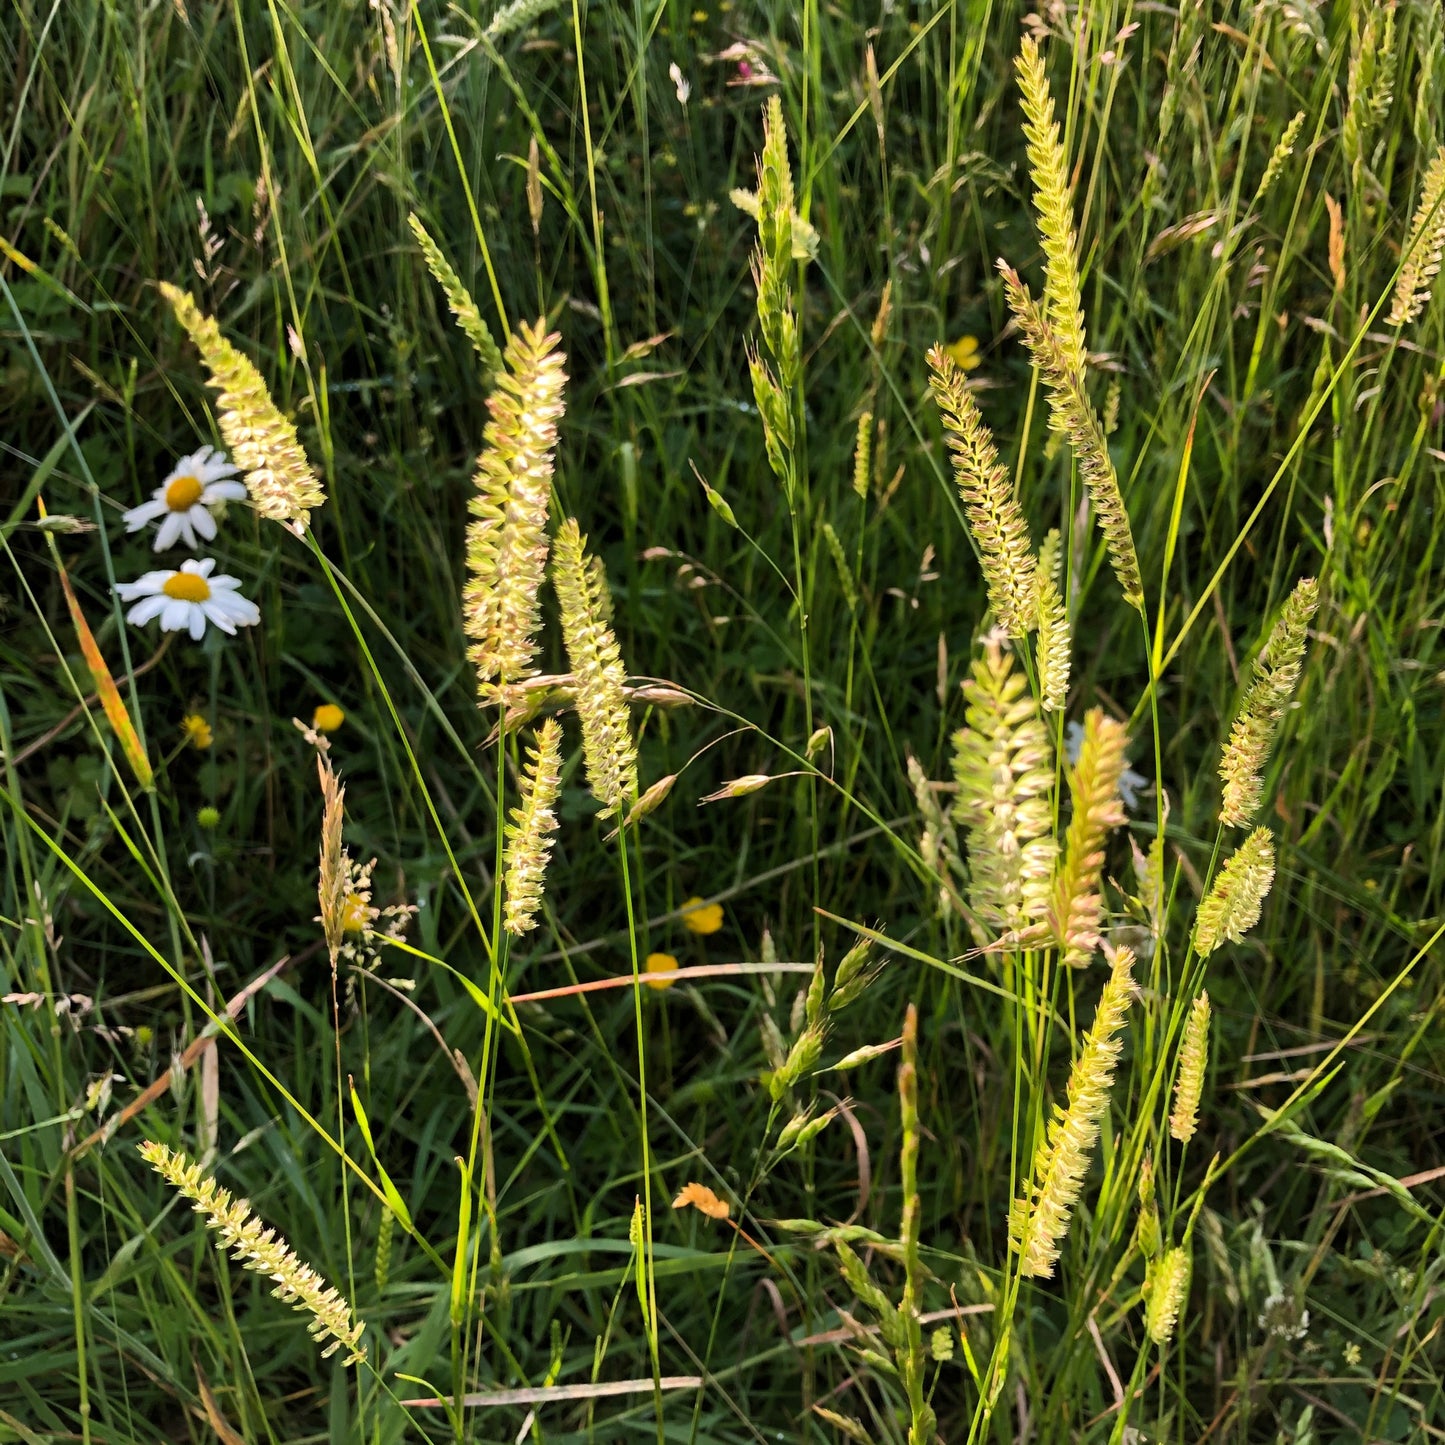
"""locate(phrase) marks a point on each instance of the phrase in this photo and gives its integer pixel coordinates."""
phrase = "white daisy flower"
(183, 502)
(188, 599)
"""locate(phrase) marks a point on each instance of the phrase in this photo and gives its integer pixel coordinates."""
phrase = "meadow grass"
(485, 1179)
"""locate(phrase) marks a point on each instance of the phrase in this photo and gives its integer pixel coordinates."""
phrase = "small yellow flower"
(327, 718)
(660, 964)
(964, 353)
(702, 917)
(702, 1198)
(355, 914)
(197, 730)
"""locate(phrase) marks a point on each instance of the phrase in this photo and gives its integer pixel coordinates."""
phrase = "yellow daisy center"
(186, 587)
(183, 493)
(355, 914)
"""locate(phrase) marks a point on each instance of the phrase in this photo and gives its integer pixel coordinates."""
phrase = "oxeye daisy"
(183, 502)
(188, 599)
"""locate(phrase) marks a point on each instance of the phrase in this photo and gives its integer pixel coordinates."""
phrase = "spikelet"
(1237, 898)
(938, 843)
(1039, 1219)
(1003, 764)
(1048, 166)
(607, 743)
(459, 299)
(528, 834)
(1424, 246)
(773, 259)
(264, 1251)
(507, 541)
(1055, 634)
(1279, 155)
(1272, 682)
(1074, 909)
(331, 886)
(261, 441)
(1193, 1060)
(863, 456)
(1146, 1234)
(1070, 405)
(381, 1271)
(1166, 1288)
(998, 525)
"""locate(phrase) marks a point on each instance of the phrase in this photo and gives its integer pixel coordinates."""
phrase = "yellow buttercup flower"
(197, 730)
(327, 718)
(964, 353)
(659, 965)
(701, 917)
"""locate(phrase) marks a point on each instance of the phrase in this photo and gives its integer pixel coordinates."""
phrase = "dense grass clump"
(823, 818)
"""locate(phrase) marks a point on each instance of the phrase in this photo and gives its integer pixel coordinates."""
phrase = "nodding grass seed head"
(1076, 904)
(262, 1250)
(1055, 634)
(1075, 416)
(1003, 764)
(1272, 683)
(459, 299)
(1237, 898)
(1039, 1219)
(1193, 1060)
(994, 517)
(528, 834)
(507, 540)
(262, 441)
(1048, 165)
(608, 747)
(1166, 1290)
(1424, 247)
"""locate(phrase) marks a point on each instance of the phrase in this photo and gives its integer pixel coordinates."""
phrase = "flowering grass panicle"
(608, 747)
(1055, 634)
(1424, 246)
(1272, 683)
(1048, 167)
(1039, 1218)
(1003, 764)
(1074, 415)
(264, 1251)
(459, 299)
(1076, 904)
(994, 516)
(529, 838)
(507, 539)
(1193, 1060)
(260, 439)
(1237, 898)
(1166, 1287)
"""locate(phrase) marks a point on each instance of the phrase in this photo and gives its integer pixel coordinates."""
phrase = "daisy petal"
(198, 623)
(202, 521)
(224, 491)
(175, 614)
(138, 517)
(169, 530)
(146, 609)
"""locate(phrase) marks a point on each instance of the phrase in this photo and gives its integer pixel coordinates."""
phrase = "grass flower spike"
(184, 502)
(1049, 168)
(1003, 764)
(1039, 1219)
(263, 441)
(994, 517)
(1424, 246)
(1074, 415)
(529, 833)
(469, 318)
(1055, 634)
(1272, 683)
(1237, 898)
(1193, 1060)
(1094, 787)
(264, 1251)
(608, 747)
(188, 599)
(1166, 1287)
(507, 541)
